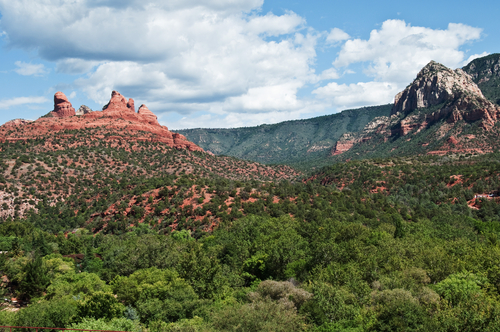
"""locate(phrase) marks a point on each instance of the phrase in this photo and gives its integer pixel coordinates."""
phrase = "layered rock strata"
(62, 106)
(118, 121)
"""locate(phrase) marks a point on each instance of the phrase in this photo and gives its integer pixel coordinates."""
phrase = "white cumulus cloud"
(224, 57)
(397, 51)
(358, 94)
(337, 35)
(392, 57)
(29, 69)
(8, 103)
(182, 56)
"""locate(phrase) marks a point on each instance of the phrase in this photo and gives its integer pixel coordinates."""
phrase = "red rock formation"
(118, 103)
(62, 106)
(130, 104)
(342, 146)
(117, 122)
(146, 113)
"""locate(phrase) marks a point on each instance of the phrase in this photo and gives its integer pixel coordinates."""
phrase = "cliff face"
(117, 122)
(444, 100)
(62, 106)
(435, 84)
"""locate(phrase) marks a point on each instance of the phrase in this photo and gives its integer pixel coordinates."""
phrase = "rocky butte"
(447, 100)
(118, 121)
(62, 106)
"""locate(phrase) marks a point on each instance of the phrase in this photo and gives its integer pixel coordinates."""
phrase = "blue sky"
(230, 63)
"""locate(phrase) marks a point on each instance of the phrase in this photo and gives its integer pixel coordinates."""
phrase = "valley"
(385, 218)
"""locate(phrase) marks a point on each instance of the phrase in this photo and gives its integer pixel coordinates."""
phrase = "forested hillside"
(375, 245)
(486, 73)
(287, 142)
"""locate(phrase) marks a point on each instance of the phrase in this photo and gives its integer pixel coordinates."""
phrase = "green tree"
(36, 278)
(100, 305)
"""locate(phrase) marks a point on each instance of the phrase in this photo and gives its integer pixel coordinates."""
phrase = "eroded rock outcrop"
(435, 84)
(146, 113)
(119, 103)
(452, 91)
(83, 110)
(62, 106)
(344, 144)
(448, 101)
(117, 122)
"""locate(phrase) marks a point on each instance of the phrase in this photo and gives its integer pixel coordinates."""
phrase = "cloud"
(220, 56)
(29, 69)
(392, 57)
(357, 95)
(337, 35)
(329, 74)
(75, 66)
(180, 55)
(397, 51)
(223, 119)
(8, 103)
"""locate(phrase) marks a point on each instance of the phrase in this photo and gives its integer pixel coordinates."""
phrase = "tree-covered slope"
(485, 72)
(402, 244)
(286, 142)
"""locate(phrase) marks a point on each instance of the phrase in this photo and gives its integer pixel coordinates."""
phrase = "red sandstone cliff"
(62, 106)
(118, 121)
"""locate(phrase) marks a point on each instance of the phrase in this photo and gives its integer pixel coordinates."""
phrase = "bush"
(115, 324)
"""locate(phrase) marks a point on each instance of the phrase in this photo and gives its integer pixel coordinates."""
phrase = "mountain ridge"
(285, 142)
(438, 93)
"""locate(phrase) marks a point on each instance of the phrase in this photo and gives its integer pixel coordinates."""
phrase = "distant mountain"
(442, 111)
(286, 142)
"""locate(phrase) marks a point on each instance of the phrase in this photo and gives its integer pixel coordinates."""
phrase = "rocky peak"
(83, 110)
(435, 84)
(146, 113)
(62, 106)
(119, 103)
(130, 104)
